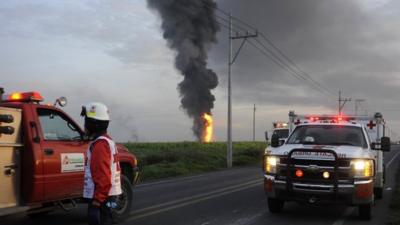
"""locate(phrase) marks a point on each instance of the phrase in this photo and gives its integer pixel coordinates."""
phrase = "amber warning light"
(23, 97)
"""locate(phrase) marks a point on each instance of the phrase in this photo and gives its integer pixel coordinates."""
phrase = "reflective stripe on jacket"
(102, 170)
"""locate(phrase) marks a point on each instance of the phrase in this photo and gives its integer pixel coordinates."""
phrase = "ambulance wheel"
(275, 205)
(124, 201)
(365, 211)
(378, 192)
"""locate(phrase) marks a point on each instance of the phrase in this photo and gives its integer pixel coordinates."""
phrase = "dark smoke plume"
(190, 27)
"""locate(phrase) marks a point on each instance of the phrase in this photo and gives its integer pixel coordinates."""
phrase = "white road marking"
(170, 181)
(394, 157)
(186, 178)
(189, 201)
(195, 196)
(346, 213)
(248, 220)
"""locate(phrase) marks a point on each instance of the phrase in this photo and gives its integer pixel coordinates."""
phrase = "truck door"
(10, 147)
(63, 150)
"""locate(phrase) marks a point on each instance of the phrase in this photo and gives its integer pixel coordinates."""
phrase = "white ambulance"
(280, 129)
(328, 160)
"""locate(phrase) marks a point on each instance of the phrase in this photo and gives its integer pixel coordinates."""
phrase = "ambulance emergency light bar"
(280, 125)
(314, 118)
(23, 97)
(369, 121)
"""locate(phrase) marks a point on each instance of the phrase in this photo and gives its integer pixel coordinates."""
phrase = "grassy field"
(161, 160)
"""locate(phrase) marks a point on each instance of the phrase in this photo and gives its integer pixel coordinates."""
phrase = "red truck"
(42, 155)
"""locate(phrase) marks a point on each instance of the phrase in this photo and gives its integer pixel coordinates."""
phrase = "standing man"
(102, 169)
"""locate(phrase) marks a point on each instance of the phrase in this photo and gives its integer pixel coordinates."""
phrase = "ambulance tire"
(378, 193)
(365, 211)
(124, 201)
(275, 205)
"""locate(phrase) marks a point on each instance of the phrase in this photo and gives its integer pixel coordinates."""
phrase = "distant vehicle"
(327, 159)
(42, 157)
(280, 129)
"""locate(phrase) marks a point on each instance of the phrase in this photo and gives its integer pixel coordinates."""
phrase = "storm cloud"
(113, 52)
(351, 46)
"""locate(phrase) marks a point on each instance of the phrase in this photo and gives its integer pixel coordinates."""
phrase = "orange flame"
(208, 128)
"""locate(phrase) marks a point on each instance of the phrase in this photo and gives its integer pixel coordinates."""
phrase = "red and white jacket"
(102, 170)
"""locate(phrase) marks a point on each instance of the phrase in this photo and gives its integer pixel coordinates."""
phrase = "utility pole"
(357, 103)
(254, 123)
(229, 144)
(342, 102)
(230, 62)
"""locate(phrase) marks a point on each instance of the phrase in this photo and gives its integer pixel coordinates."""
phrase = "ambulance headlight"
(270, 163)
(362, 168)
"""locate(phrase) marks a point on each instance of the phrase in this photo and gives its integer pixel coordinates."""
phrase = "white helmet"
(96, 110)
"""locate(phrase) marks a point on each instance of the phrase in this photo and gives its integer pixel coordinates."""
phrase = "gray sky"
(113, 51)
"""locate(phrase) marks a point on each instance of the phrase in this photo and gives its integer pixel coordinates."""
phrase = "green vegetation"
(160, 160)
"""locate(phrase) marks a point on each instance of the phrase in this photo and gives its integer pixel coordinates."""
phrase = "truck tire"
(124, 201)
(42, 211)
(378, 193)
(365, 211)
(39, 215)
(275, 205)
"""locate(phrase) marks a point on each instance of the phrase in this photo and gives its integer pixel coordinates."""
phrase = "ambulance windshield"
(282, 133)
(328, 135)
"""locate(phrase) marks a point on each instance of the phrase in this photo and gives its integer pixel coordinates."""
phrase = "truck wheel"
(41, 212)
(378, 192)
(275, 205)
(365, 211)
(39, 215)
(124, 201)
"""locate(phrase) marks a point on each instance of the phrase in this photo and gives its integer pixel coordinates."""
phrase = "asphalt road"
(234, 197)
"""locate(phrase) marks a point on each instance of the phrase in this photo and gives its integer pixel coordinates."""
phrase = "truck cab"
(327, 159)
(42, 156)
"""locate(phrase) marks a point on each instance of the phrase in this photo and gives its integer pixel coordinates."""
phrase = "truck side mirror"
(61, 101)
(85, 137)
(266, 135)
(275, 141)
(385, 144)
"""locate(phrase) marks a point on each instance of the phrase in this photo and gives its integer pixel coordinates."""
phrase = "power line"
(297, 74)
(289, 64)
(292, 73)
(292, 63)
(284, 65)
(227, 21)
(227, 14)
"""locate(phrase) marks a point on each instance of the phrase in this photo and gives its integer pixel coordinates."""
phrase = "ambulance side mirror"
(275, 141)
(385, 144)
(266, 136)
